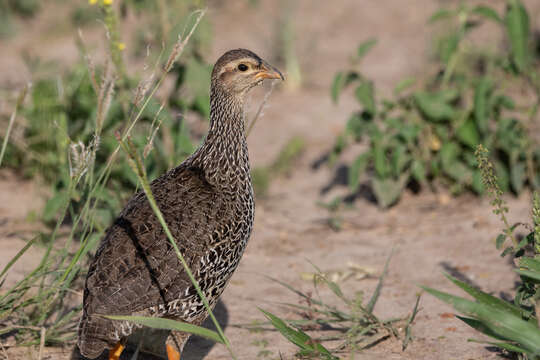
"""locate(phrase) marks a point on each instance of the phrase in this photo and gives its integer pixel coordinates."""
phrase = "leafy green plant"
(354, 327)
(514, 327)
(425, 135)
(36, 310)
(64, 111)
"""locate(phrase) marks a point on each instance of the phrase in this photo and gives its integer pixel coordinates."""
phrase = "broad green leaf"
(366, 96)
(404, 84)
(487, 13)
(518, 32)
(382, 168)
(500, 241)
(481, 101)
(341, 80)
(356, 126)
(448, 46)
(433, 106)
(440, 15)
(528, 273)
(502, 323)
(484, 298)
(400, 159)
(449, 154)
(418, 171)
(168, 324)
(357, 169)
(518, 175)
(468, 134)
(503, 178)
(387, 191)
(448, 95)
(479, 325)
(409, 132)
(530, 263)
(477, 184)
(365, 47)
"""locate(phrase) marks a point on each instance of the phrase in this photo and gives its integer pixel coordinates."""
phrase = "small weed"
(354, 327)
(514, 327)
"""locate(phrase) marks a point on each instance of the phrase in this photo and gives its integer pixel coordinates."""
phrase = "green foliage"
(24, 8)
(425, 135)
(69, 129)
(307, 346)
(356, 324)
(514, 326)
(64, 111)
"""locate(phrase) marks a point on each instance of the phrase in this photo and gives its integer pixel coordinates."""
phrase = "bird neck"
(224, 155)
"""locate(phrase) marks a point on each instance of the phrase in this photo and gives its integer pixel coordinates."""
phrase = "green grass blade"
(20, 99)
(17, 256)
(297, 337)
(479, 326)
(501, 322)
(502, 345)
(408, 333)
(528, 273)
(487, 299)
(168, 324)
(518, 32)
(371, 304)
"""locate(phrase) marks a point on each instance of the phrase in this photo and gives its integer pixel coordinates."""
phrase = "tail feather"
(93, 339)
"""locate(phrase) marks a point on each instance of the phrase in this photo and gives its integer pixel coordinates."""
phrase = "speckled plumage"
(207, 202)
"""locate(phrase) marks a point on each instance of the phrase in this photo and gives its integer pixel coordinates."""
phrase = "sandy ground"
(429, 233)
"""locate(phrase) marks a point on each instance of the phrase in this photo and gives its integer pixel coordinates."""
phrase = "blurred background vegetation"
(421, 137)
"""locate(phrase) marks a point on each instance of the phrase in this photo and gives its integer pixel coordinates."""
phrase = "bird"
(207, 202)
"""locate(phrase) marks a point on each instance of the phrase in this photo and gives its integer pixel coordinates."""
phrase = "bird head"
(237, 71)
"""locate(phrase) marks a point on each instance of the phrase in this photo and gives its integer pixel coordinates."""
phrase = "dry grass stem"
(154, 129)
(259, 112)
(89, 62)
(41, 343)
(180, 44)
(105, 95)
(20, 100)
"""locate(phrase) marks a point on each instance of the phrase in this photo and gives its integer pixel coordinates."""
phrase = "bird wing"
(136, 266)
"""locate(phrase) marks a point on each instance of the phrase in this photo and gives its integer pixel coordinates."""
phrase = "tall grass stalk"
(20, 100)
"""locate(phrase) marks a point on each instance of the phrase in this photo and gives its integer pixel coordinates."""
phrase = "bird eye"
(242, 67)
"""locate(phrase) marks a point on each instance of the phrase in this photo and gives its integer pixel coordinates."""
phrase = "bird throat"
(223, 156)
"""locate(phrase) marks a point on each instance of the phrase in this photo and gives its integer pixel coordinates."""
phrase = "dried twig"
(260, 109)
(180, 44)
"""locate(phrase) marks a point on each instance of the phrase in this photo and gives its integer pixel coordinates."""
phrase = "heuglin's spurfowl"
(208, 204)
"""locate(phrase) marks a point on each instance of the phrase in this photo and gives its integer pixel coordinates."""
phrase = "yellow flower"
(92, 2)
(121, 46)
(107, 2)
(434, 143)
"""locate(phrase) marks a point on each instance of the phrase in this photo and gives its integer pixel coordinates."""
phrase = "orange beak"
(269, 72)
